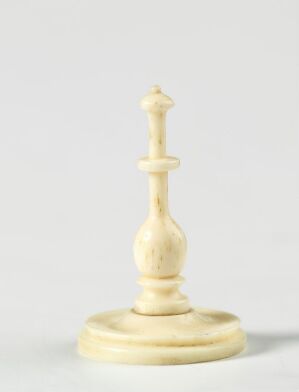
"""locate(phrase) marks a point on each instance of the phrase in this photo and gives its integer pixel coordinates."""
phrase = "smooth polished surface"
(162, 328)
(160, 244)
(199, 335)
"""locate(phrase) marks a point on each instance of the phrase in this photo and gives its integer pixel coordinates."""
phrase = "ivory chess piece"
(162, 328)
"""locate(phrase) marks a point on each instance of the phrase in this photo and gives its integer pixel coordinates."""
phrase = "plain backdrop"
(72, 73)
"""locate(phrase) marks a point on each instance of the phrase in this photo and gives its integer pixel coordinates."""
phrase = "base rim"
(212, 340)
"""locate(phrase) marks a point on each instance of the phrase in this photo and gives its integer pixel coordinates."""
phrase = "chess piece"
(162, 328)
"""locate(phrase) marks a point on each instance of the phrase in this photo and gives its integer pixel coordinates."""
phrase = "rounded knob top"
(155, 89)
(156, 101)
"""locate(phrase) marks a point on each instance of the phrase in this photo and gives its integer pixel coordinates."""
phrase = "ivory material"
(158, 165)
(162, 328)
(127, 337)
(160, 244)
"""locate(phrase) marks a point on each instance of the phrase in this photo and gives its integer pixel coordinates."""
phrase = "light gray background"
(71, 200)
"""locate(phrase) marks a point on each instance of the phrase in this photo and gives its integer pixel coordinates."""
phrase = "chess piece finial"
(160, 244)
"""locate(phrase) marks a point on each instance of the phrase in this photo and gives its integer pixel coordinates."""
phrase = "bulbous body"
(160, 247)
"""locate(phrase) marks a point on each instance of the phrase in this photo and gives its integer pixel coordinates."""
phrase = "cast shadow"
(259, 343)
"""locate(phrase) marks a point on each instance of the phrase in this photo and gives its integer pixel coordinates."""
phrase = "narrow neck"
(157, 138)
(158, 194)
(158, 182)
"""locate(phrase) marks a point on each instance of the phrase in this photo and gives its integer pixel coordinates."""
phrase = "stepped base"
(127, 337)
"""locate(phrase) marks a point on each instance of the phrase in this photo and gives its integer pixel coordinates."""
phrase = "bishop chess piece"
(162, 328)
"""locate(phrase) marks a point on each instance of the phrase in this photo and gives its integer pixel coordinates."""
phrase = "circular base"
(127, 337)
